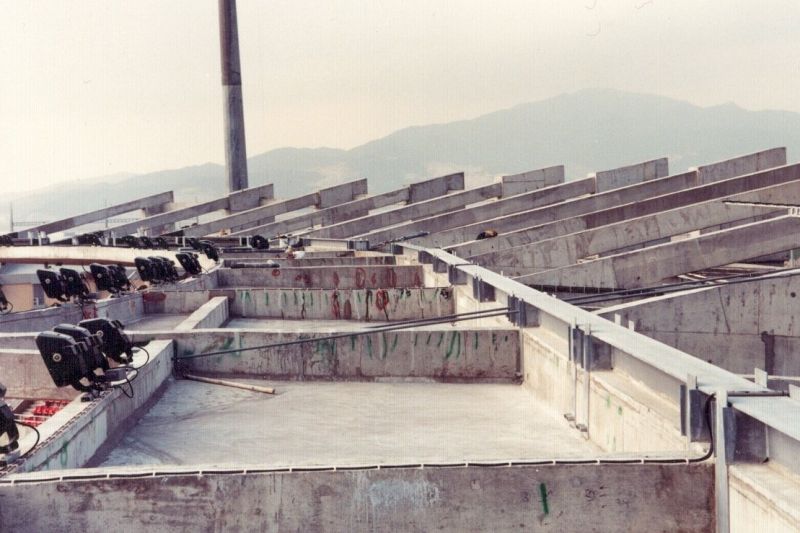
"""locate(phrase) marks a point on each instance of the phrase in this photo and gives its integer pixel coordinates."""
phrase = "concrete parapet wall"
(520, 498)
(367, 277)
(632, 174)
(211, 314)
(25, 376)
(425, 190)
(126, 309)
(746, 164)
(441, 353)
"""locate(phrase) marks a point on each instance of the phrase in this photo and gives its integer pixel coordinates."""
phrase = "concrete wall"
(763, 498)
(746, 164)
(126, 309)
(631, 174)
(211, 314)
(441, 353)
(25, 376)
(724, 324)
(367, 277)
(532, 180)
(642, 268)
(319, 304)
(520, 498)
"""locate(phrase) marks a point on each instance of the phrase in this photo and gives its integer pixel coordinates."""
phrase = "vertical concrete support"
(425, 190)
(235, 149)
(631, 174)
(531, 180)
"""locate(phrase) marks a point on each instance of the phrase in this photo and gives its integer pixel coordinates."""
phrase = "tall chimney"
(235, 149)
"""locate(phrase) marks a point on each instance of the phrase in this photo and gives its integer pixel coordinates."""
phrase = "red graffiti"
(361, 278)
(348, 310)
(391, 278)
(336, 311)
(90, 311)
(336, 279)
(417, 281)
(276, 272)
(305, 278)
(373, 279)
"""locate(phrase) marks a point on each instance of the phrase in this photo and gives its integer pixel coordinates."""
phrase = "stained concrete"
(345, 423)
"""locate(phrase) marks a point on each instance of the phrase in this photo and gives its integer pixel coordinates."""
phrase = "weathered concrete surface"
(367, 277)
(25, 376)
(453, 219)
(211, 314)
(593, 215)
(400, 215)
(126, 309)
(531, 180)
(153, 201)
(649, 266)
(569, 249)
(320, 304)
(313, 261)
(746, 164)
(246, 199)
(657, 209)
(436, 352)
(631, 174)
(415, 192)
(84, 255)
(738, 327)
(544, 498)
(252, 217)
(763, 498)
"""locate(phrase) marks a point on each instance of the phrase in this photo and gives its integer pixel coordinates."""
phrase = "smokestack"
(235, 150)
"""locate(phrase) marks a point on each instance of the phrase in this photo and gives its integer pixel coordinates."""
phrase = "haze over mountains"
(586, 131)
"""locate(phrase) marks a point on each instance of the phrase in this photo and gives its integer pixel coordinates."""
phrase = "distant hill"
(586, 131)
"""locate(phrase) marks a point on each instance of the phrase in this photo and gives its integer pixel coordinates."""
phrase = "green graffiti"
(266, 298)
(64, 455)
(294, 293)
(394, 343)
(429, 339)
(453, 344)
(385, 346)
(352, 342)
(543, 494)
(441, 338)
(369, 346)
(475, 342)
(415, 339)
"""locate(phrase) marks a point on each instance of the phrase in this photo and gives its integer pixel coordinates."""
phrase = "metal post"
(721, 463)
(235, 149)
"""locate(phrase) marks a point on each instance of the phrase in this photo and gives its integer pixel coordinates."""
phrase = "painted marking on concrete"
(543, 494)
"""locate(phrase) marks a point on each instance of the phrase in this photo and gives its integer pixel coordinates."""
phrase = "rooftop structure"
(608, 353)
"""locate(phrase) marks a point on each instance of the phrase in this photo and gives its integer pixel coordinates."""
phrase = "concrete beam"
(316, 304)
(410, 212)
(746, 164)
(569, 249)
(608, 208)
(452, 219)
(436, 352)
(237, 201)
(531, 180)
(470, 498)
(738, 326)
(414, 193)
(127, 309)
(83, 255)
(367, 277)
(154, 201)
(631, 174)
(649, 266)
(345, 192)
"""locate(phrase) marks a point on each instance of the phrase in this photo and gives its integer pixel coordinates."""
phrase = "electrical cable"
(38, 436)
(442, 318)
(331, 337)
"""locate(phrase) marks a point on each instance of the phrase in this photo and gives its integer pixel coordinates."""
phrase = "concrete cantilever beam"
(648, 266)
(252, 217)
(148, 203)
(416, 192)
(237, 201)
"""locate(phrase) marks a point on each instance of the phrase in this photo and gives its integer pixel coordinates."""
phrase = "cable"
(443, 318)
(38, 436)
(331, 337)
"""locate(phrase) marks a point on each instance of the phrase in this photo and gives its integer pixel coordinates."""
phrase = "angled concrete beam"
(410, 212)
(568, 249)
(631, 174)
(746, 164)
(148, 202)
(416, 192)
(452, 219)
(650, 266)
(236, 201)
(532, 179)
(614, 206)
(325, 197)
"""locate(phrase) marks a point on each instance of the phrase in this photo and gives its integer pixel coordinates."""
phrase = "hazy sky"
(95, 87)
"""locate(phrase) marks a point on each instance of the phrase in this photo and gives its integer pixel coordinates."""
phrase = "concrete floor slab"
(345, 424)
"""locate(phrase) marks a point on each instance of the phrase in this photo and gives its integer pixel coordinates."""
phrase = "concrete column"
(235, 149)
